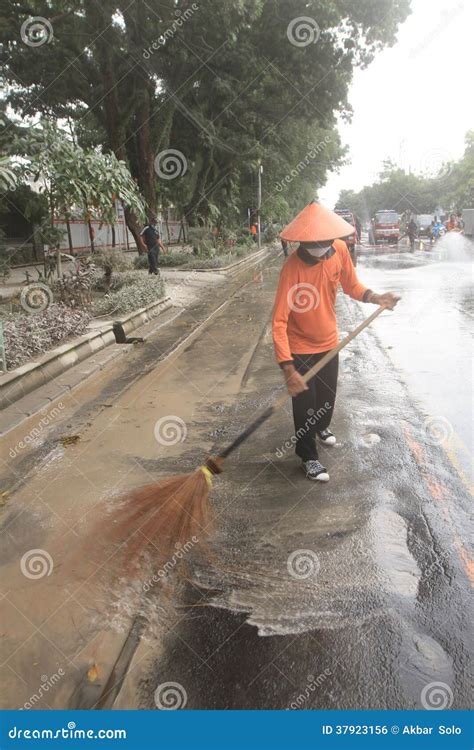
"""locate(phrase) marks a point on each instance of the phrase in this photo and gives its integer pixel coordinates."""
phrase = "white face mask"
(318, 252)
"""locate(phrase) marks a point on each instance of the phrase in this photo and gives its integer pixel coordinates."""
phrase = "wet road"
(349, 595)
(432, 340)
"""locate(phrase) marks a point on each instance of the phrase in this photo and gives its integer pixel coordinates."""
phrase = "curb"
(21, 381)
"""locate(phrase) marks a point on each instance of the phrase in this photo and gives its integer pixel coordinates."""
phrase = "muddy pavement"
(347, 595)
(352, 594)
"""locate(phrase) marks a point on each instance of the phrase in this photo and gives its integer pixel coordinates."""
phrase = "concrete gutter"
(21, 381)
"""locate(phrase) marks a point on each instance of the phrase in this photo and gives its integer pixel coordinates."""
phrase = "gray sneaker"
(315, 471)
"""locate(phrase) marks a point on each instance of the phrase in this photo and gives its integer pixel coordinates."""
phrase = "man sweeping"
(304, 323)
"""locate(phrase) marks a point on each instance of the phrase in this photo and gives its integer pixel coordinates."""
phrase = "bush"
(74, 288)
(270, 234)
(112, 260)
(140, 261)
(143, 291)
(173, 259)
(27, 336)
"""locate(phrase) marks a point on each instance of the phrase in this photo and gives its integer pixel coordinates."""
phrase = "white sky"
(415, 102)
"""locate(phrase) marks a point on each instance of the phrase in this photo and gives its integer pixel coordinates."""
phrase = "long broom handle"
(307, 376)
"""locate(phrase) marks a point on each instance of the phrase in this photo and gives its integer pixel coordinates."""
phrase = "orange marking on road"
(442, 495)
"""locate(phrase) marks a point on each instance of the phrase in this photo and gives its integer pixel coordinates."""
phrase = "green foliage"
(144, 290)
(140, 261)
(29, 336)
(74, 177)
(173, 259)
(257, 98)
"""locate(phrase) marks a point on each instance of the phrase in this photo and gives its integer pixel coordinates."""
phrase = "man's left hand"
(388, 300)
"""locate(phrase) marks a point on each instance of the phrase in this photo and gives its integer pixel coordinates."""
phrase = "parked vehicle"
(386, 227)
(468, 219)
(350, 240)
(424, 222)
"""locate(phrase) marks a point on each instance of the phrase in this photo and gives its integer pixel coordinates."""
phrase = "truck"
(468, 221)
(385, 227)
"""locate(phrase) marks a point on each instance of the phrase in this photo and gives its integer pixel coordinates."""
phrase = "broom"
(175, 513)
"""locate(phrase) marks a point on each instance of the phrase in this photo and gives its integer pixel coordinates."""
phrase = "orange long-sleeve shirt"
(304, 316)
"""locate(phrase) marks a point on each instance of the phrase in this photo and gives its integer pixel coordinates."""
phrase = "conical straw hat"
(316, 224)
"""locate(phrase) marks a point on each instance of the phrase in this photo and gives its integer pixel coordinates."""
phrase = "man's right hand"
(294, 381)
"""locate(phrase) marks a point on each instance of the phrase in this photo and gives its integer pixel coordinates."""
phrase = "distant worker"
(304, 324)
(253, 232)
(412, 230)
(453, 225)
(153, 242)
(284, 247)
(358, 226)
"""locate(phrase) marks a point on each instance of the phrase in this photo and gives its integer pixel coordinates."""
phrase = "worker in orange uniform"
(304, 323)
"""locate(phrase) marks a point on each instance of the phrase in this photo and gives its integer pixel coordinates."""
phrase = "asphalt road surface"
(354, 594)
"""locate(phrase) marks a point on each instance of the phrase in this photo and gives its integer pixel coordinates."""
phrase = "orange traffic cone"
(316, 224)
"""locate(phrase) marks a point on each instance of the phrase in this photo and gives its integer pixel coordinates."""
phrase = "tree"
(228, 84)
(73, 178)
(452, 188)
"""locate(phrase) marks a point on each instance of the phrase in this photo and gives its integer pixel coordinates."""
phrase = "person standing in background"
(153, 243)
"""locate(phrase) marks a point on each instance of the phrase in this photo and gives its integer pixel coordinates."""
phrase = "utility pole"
(259, 206)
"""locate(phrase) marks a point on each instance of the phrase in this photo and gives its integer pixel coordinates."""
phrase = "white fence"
(171, 232)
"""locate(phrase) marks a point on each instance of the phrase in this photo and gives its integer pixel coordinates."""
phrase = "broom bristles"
(163, 517)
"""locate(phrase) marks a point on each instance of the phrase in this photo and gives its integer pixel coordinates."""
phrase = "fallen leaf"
(70, 439)
(93, 673)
